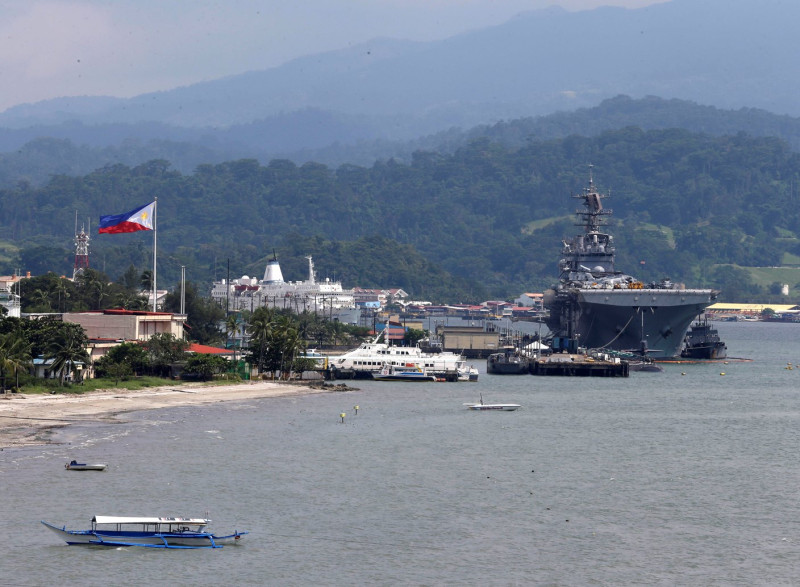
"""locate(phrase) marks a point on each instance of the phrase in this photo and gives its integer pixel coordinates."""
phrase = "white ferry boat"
(371, 357)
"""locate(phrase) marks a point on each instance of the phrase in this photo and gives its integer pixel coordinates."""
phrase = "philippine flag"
(139, 219)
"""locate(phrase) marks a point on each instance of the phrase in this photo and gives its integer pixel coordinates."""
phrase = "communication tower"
(81, 250)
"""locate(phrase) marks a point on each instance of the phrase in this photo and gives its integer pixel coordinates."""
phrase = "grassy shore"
(52, 386)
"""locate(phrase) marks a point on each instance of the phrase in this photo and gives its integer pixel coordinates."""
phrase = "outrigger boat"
(502, 407)
(148, 532)
(76, 466)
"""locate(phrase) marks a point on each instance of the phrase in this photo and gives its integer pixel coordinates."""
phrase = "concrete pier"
(578, 366)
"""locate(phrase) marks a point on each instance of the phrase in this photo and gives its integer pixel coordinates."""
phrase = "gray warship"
(595, 306)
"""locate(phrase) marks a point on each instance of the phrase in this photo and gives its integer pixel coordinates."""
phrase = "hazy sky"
(52, 48)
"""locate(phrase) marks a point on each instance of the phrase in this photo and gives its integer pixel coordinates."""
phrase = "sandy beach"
(27, 420)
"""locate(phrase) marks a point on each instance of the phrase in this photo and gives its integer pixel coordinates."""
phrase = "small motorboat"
(114, 531)
(468, 373)
(76, 466)
(399, 373)
(501, 407)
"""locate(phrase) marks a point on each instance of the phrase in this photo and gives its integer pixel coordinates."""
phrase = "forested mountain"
(729, 54)
(490, 216)
(35, 161)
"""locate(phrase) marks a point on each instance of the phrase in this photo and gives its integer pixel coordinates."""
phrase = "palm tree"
(231, 326)
(146, 280)
(287, 338)
(260, 329)
(129, 300)
(15, 355)
(42, 299)
(66, 349)
(293, 345)
(100, 290)
(63, 293)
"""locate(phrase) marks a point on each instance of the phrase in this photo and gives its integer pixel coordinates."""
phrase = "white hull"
(496, 407)
(371, 358)
(189, 539)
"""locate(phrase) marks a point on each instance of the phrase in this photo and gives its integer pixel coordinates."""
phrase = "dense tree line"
(485, 221)
(62, 344)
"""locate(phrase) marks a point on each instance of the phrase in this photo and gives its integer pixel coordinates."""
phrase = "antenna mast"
(81, 250)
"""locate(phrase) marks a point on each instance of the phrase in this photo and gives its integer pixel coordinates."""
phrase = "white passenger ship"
(371, 357)
(248, 293)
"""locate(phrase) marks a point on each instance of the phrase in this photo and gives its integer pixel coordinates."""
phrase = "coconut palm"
(231, 327)
(100, 291)
(41, 299)
(293, 345)
(62, 289)
(67, 349)
(129, 300)
(146, 280)
(15, 355)
(288, 342)
(260, 329)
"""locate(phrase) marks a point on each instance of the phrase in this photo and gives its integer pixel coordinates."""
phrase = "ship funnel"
(273, 274)
(311, 276)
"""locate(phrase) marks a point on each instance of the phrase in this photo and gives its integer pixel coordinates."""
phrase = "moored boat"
(703, 342)
(76, 466)
(409, 373)
(148, 532)
(468, 373)
(509, 362)
(370, 357)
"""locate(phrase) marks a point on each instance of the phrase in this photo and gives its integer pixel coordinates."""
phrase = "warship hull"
(621, 320)
(596, 306)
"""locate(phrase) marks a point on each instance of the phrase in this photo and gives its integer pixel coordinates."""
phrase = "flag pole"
(155, 242)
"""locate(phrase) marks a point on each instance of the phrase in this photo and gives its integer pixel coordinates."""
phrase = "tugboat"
(603, 308)
(510, 362)
(703, 342)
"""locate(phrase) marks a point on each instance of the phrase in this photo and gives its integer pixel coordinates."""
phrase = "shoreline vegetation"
(30, 419)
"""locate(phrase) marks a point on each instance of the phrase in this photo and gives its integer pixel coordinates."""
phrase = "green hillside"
(486, 220)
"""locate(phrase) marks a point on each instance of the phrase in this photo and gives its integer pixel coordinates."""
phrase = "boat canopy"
(128, 520)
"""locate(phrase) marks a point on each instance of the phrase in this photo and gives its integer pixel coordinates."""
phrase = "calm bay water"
(687, 477)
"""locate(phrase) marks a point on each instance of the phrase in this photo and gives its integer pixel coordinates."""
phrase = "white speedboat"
(149, 532)
(489, 407)
(76, 466)
(503, 407)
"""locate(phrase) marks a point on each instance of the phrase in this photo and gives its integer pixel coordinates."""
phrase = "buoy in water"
(723, 373)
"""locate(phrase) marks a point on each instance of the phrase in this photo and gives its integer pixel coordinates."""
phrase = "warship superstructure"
(602, 308)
